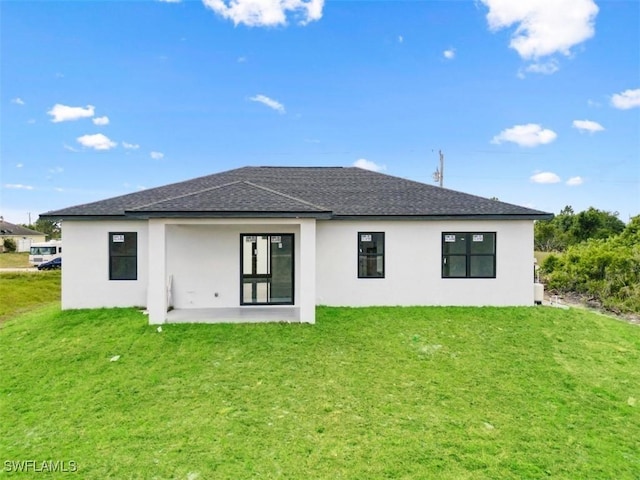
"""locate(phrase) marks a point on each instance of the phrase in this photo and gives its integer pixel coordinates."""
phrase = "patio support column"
(157, 286)
(307, 271)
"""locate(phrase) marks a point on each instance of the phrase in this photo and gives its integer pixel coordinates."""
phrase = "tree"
(546, 236)
(50, 228)
(594, 223)
(568, 228)
(564, 220)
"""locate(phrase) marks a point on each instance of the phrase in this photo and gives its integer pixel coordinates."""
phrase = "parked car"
(54, 264)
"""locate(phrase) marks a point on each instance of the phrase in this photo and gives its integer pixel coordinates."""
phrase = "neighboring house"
(271, 243)
(23, 236)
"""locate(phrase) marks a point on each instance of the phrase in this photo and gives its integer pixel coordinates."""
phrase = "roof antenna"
(438, 175)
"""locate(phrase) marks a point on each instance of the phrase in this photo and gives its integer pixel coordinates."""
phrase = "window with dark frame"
(123, 255)
(469, 255)
(370, 254)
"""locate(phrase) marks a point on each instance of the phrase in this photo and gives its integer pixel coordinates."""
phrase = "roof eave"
(511, 216)
(324, 215)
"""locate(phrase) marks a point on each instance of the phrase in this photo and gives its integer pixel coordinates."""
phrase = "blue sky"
(534, 102)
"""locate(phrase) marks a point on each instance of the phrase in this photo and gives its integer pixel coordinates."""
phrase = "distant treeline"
(569, 228)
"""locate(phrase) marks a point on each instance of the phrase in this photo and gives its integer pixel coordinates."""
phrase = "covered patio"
(235, 315)
(211, 270)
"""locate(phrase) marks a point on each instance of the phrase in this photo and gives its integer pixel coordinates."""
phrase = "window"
(370, 254)
(123, 256)
(469, 255)
(266, 266)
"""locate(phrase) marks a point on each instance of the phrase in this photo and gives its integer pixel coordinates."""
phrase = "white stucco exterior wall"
(157, 289)
(307, 267)
(85, 274)
(413, 259)
(202, 257)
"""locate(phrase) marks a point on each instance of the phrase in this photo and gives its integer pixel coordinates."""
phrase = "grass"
(398, 393)
(14, 260)
(542, 256)
(21, 291)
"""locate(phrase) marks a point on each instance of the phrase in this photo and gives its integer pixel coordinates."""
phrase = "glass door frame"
(268, 276)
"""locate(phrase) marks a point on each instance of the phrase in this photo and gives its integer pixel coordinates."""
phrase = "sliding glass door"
(266, 266)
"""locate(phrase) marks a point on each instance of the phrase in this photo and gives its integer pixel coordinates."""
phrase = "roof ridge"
(187, 194)
(293, 167)
(290, 197)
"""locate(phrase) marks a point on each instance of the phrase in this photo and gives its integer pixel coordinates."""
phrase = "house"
(271, 243)
(22, 236)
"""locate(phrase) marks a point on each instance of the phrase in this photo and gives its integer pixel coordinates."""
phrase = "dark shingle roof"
(309, 191)
(9, 229)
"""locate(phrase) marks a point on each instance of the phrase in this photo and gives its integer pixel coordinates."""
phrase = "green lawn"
(21, 291)
(398, 393)
(14, 260)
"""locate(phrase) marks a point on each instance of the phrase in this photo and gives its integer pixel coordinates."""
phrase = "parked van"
(41, 252)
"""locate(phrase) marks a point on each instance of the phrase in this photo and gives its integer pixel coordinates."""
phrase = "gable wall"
(413, 258)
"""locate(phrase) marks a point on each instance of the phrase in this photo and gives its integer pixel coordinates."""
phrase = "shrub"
(607, 270)
(9, 245)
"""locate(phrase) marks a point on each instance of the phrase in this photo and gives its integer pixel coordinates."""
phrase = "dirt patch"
(590, 303)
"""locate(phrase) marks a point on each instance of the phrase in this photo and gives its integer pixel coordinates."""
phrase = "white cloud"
(529, 135)
(593, 103)
(449, 54)
(545, 177)
(266, 13)
(269, 102)
(544, 27)
(544, 68)
(18, 101)
(63, 113)
(70, 148)
(157, 155)
(56, 170)
(101, 120)
(19, 165)
(369, 165)
(400, 39)
(97, 141)
(627, 99)
(130, 146)
(17, 186)
(587, 126)
(575, 181)
(242, 60)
